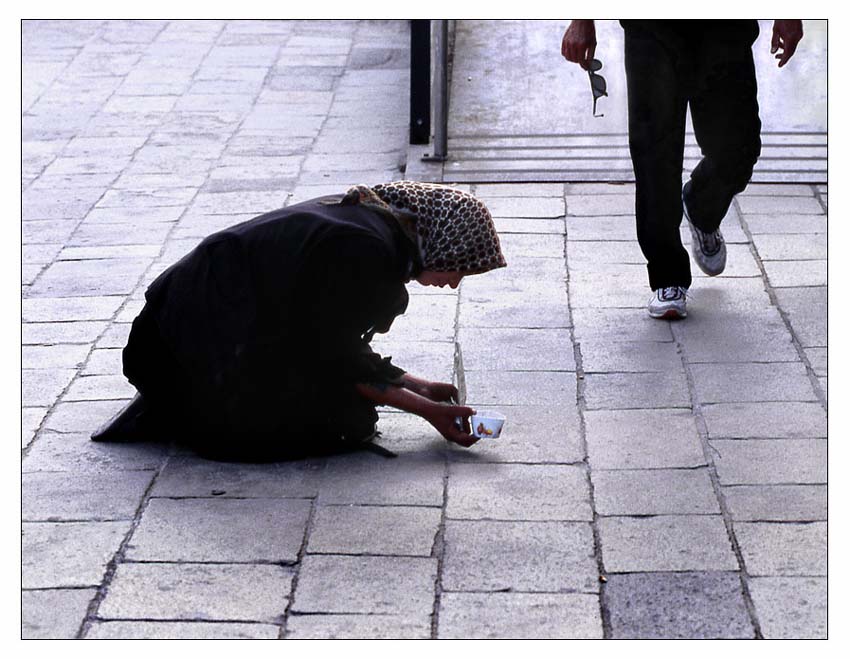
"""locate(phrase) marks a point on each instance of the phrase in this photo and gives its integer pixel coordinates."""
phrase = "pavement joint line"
(795, 340)
(708, 449)
(581, 408)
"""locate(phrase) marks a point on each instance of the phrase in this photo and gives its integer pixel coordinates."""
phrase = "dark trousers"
(670, 65)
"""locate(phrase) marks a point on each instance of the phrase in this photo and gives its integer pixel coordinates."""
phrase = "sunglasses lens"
(598, 85)
(594, 65)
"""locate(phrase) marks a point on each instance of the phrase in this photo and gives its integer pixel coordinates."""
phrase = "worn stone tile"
(732, 337)
(773, 223)
(790, 607)
(520, 616)
(776, 190)
(95, 277)
(142, 629)
(806, 309)
(189, 476)
(604, 228)
(41, 386)
(519, 556)
(52, 310)
(515, 245)
(687, 605)
(31, 418)
(428, 318)
(536, 207)
(519, 310)
(780, 205)
(533, 434)
(583, 255)
(358, 626)
(509, 349)
(769, 420)
(43, 232)
(220, 530)
(38, 334)
(783, 549)
(642, 439)
(611, 324)
(654, 492)
(53, 356)
(673, 543)
(82, 417)
(196, 592)
(54, 614)
(63, 496)
(432, 360)
(366, 584)
(387, 530)
(612, 391)
(770, 462)
(70, 554)
(625, 290)
(489, 388)
(601, 204)
(790, 247)
(58, 452)
(603, 356)
(529, 275)
(107, 361)
(776, 503)
(786, 274)
(818, 360)
(518, 492)
(738, 383)
(100, 387)
(529, 226)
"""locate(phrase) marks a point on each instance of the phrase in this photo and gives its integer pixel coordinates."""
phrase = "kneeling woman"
(256, 343)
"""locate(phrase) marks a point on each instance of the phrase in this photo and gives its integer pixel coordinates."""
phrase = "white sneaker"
(669, 303)
(709, 249)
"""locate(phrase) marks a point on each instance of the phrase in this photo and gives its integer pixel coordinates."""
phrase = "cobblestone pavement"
(654, 479)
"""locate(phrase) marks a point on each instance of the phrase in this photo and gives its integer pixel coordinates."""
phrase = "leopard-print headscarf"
(453, 229)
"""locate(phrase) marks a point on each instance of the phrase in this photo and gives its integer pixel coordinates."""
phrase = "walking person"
(672, 65)
(255, 345)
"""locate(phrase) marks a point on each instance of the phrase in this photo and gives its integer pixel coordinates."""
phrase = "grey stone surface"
(188, 476)
(783, 549)
(65, 496)
(746, 420)
(654, 492)
(366, 584)
(611, 324)
(602, 356)
(642, 439)
(493, 388)
(791, 607)
(519, 556)
(786, 274)
(776, 503)
(686, 605)
(40, 387)
(375, 530)
(806, 309)
(774, 461)
(519, 616)
(537, 207)
(613, 391)
(518, 492)
(81, 417)
(738, 383)
(600, 204)
(53, 614)
(358, 626)
(196, 592)
(668, 543)
(818, 359)
(790, 247)
(519, 310)
(70, 554)
(220, 530)
(508, 349)
(53, 356)
(31, 418)
(771, 223)
(76, 453)
(143, 629)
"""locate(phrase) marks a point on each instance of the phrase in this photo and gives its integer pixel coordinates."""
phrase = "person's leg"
(725, 115)
(657, 112)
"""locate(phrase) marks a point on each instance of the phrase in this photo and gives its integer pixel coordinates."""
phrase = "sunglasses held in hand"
(597, 83)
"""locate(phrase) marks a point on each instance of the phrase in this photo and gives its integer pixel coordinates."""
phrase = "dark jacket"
(271, 319)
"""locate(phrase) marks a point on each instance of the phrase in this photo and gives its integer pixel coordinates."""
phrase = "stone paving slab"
(358, 626)
(770, 461)
(519, 616)
(76, 453)
(99, 496)
(686, 605)
(53, 614)
(740, 383)
(143, 629)
(788, 274)
(613, 391)
(654, 492)
(783, 549)
(374, 530)
(196, 592)
(510, 349)
(69, 554)
(790, 607)
(673, 543)
(518, 492)
(790, 247)
(517, 310)
(806, 309)
(602, 356)
(770, 420)
(776, 503)
(489, 388)
(220, 530)
(642, 439)
(519, 556)
(366, 584)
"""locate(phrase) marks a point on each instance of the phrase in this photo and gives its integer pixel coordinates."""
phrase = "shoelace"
(672, 293)
(711, 242)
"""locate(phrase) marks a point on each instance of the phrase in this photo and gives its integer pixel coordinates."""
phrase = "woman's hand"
(579, 42)
(444, 418)
(440, 392)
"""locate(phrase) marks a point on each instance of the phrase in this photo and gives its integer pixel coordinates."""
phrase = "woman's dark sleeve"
(350, 288)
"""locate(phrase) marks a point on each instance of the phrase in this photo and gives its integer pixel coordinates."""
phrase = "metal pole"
(441, 89)
(420, 81)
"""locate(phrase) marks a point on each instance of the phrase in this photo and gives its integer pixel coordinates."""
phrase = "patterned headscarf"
(453, 229)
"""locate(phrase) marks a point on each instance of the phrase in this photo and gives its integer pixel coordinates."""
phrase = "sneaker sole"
(670, 314)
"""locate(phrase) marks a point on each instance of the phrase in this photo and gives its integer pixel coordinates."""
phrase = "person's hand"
(441, 392)
(786, 36)
(443, 418)
(579, 42)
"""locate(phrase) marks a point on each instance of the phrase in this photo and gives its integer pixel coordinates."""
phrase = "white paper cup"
(487, 425)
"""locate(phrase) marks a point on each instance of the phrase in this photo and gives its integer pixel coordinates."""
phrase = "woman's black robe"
(261, 332)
